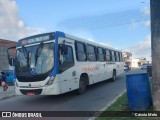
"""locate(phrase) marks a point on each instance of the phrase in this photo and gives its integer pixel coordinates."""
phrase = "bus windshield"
(34, 60)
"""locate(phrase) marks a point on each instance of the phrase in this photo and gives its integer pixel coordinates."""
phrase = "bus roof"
(90, 42)
(51, 35)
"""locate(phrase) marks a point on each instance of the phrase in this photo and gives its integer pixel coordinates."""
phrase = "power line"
(98, 26)
(108, 20)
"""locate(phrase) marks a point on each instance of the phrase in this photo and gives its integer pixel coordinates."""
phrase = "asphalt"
(9, 93)
(98, 100)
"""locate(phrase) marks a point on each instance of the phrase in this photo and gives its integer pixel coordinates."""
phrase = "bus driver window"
(65, 57)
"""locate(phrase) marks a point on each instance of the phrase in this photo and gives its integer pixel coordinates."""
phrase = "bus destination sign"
(37, 39)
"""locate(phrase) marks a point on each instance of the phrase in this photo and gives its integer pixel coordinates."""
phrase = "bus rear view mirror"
(11, 52)
(11, 61)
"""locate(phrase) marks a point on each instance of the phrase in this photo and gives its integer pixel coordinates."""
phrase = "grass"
(120, 109)
(120, 104)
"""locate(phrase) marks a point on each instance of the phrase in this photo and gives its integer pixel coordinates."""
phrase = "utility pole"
(155, 48)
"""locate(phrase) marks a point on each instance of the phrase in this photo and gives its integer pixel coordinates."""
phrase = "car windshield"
(125, 65)
(34, 60)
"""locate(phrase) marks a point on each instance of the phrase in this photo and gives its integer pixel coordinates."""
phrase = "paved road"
(94, 99)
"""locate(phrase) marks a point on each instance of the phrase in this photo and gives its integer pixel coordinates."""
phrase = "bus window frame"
(110, 58)
(84, 52)
(103, 54)
(68, 64)
(95, 52)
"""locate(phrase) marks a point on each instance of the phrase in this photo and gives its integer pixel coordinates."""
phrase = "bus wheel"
(82, 85)
(114, 77)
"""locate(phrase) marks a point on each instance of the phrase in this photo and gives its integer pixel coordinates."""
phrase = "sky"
(122, 24)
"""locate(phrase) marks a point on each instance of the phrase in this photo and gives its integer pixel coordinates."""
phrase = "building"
(127, 58)
(133, 62)
(136, 63)
(4, 45)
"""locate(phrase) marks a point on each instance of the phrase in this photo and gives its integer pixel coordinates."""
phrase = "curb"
(7, 96)
(108, 105)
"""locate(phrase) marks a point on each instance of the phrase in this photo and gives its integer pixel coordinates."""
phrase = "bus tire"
(82, 85)
(114, 76)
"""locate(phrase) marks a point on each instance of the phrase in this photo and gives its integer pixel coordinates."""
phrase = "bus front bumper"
(48, 90)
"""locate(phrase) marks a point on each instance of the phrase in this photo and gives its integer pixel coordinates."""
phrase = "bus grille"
(36, 91)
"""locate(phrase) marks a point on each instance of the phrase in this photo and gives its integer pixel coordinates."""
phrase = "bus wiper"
(25, 52)
(38, 52)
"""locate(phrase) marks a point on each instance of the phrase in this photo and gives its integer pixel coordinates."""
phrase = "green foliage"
(121, 105)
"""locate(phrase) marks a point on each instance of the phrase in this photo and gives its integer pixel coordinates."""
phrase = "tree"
(155, 46)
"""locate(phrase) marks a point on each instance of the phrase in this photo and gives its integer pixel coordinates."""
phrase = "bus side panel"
(100, 71)
(54, 89)
(106, 70)
(120, 68)
(69, 79)
(109, 71)
(95, 70)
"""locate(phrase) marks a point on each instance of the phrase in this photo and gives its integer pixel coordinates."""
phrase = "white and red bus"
(55, 63)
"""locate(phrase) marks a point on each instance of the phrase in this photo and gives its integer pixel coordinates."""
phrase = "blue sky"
(111, 22)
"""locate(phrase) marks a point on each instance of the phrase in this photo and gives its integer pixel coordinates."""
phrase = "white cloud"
(147, 23)
(12, 26)
(145, 11)
(102, 43)
(20, 24)
(133, 24)
(106, 44)
(142, 48)
(144, 14)
(86, 34)
(90, 39)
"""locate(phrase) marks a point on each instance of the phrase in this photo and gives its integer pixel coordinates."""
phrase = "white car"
(144, 66)
(126, 67)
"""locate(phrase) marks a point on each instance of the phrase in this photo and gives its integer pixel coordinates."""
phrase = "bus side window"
(80, 51)
(108, 55)
(117, 57)
(120, 58)
(113, 56)
(67, 59)
(91, 51)
(100, 54)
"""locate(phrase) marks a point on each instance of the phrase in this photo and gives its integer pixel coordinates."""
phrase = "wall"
(135, 63)
(4, 44)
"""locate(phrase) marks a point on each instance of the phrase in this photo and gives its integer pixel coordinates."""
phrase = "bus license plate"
(30, 94)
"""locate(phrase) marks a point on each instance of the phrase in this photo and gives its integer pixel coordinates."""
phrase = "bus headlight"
(50, 81)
